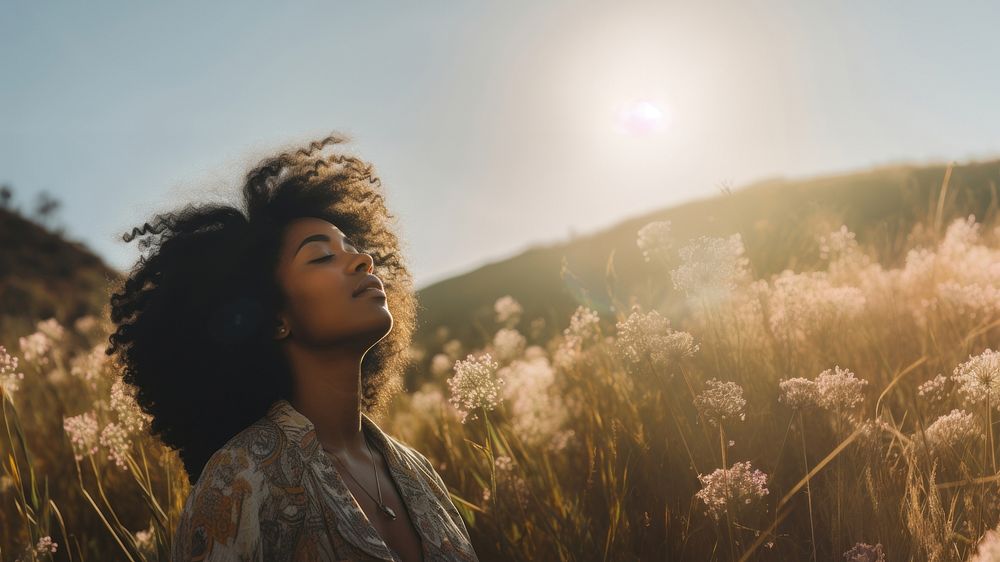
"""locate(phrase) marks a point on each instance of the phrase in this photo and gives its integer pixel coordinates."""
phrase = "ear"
(281, 329)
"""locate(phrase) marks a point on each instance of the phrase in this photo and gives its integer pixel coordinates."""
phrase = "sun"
(640, 117)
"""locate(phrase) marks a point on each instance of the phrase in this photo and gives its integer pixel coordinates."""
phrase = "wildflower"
(951, 429)
(475, 385)
(654, 241)
(584, 329)
(51, 328)
(979, 377)
(9, 377)
(46, 545)
(440, 365)
(731, 488)
(82, 432)
(508, 311)
(872, 433)
(647, 337)
(838, 389)
(132, 418)
(508, 343)
(115, 439)
(711, 267)
(864, 552)
(935, 390)
(798, 392)
(145, 540)
(509, 484)
(453, 348)
(561, 440)
(803, 303)
(90, 366)
(35, 348)
(537, 411)
(429, 401)
(989, 547)
(837, 243)
(721, 401)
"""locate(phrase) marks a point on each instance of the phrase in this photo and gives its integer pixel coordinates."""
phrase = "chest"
(400, 533)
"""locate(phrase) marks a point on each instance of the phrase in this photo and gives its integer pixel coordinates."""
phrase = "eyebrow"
(320, 237)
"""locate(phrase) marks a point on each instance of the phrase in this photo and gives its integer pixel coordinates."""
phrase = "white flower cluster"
(979, 378)
(936, 390)
(509, 484)
(647, 337)
(961, 275)
(46, 545)
(90, 367)
(833, 389)
(123, 403)
(35, 348)
(950, 430)
(711, 268)
(475, 385)
(83, 434)
(508, 310)
(798, 393)
(837, 388)
(584, 329)
(115, 439)
(655, 242)
(10, 378)
(441, 365)
(508, 344)
(537, 410)
(989, 547)
(721, 401)
(803, 303)
(731, 488)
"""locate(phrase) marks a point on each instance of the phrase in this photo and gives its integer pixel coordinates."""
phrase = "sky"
(493, 126)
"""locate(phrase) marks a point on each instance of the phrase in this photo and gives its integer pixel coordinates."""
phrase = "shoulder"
(220, 518)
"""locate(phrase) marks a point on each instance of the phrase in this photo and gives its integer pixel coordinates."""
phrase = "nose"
(366, 262)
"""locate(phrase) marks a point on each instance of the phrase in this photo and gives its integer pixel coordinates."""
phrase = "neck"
(327, 390)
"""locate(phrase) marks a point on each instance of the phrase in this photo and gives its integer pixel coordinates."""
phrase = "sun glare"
(640, 118)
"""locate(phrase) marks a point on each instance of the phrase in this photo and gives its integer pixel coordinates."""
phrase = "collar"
(351, 521)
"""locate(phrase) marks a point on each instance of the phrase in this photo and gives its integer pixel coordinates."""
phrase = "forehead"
(304, 226)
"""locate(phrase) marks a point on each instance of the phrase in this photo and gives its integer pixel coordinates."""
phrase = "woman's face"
(319, 271)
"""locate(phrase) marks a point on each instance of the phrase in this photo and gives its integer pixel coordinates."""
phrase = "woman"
(261, 339)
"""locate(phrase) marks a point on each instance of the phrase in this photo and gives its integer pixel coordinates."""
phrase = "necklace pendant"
(388, 511)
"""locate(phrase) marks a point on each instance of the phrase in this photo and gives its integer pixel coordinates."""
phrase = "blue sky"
(490, 124)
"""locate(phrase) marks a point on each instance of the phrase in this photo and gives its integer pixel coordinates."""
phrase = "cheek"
(321, 303)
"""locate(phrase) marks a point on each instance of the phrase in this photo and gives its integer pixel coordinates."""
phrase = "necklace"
(385, 509)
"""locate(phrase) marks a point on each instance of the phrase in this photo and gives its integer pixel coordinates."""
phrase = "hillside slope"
(778, 219)
(43, 275)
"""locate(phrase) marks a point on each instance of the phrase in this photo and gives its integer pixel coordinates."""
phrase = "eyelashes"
(330, 257)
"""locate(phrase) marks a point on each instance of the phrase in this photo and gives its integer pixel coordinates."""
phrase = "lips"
(369, 282)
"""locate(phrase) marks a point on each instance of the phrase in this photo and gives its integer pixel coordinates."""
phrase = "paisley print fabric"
(272, 494)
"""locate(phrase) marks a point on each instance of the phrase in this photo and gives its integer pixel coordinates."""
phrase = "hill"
(778, 220)
(43, 275)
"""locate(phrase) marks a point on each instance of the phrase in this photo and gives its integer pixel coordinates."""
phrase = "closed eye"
(324, 258)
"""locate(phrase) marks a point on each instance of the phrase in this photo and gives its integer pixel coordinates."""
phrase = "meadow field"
(842, 411)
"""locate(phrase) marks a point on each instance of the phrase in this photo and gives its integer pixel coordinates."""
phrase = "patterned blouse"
(271, 493)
